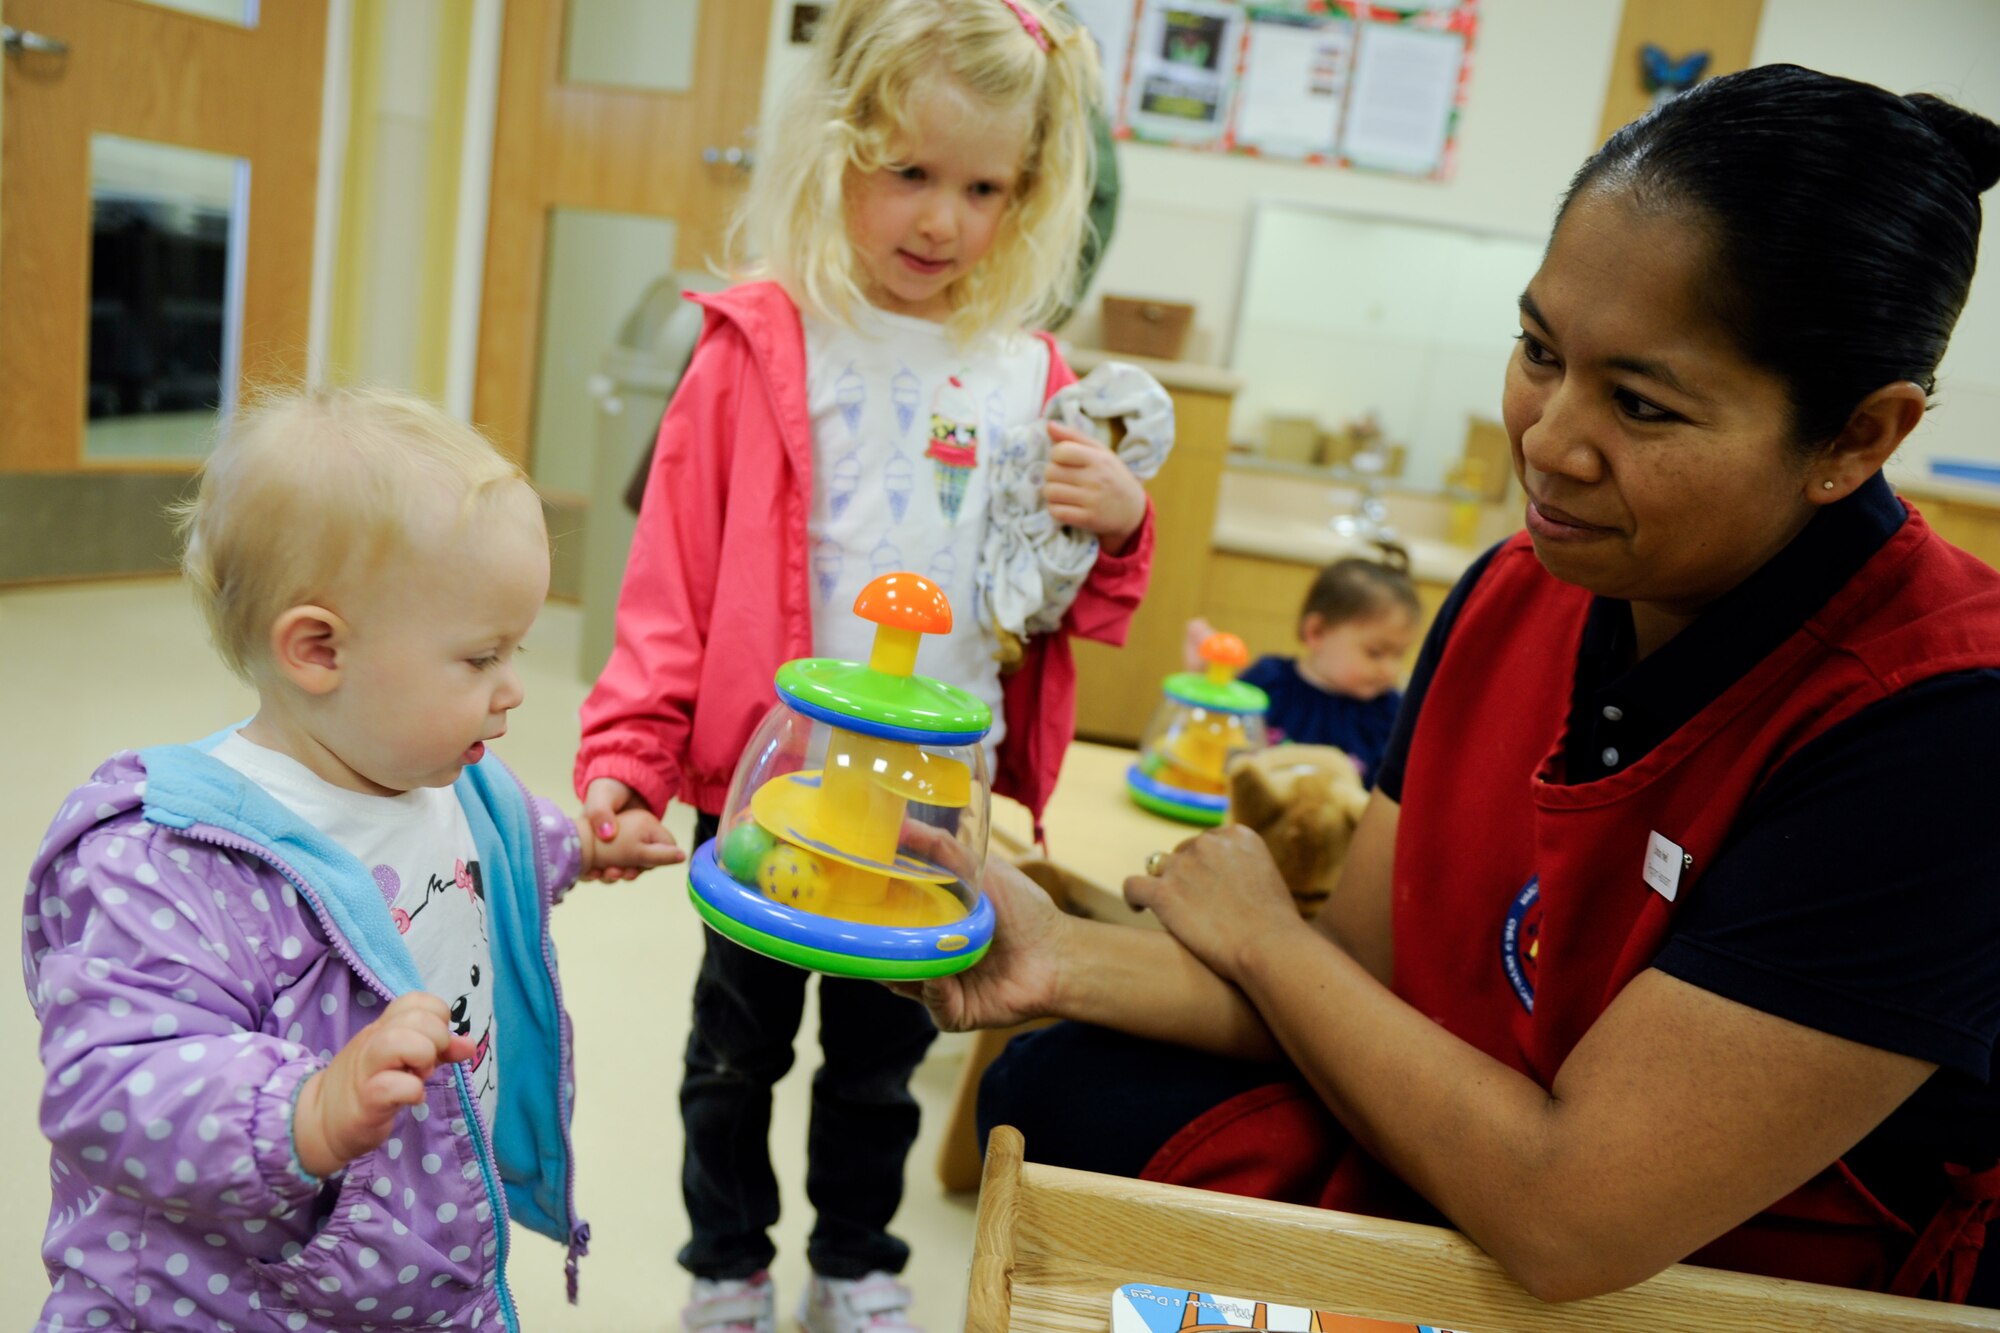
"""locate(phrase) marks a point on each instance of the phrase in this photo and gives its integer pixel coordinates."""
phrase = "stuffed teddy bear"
(1304, 801)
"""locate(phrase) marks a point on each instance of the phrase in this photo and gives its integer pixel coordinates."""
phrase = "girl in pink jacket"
(921, 206)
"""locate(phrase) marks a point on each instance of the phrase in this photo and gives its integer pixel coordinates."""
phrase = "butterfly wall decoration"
(1666, 78)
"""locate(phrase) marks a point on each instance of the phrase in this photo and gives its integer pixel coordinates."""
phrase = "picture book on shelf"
(1142, 1307)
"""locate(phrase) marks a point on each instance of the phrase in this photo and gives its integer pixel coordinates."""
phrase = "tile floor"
(88, 669)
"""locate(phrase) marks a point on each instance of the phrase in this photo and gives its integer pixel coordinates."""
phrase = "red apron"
(1519, 907)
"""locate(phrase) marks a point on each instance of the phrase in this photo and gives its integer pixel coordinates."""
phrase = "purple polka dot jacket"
(194, 952)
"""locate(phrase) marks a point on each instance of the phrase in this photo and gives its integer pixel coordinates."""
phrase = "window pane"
(631, 43)
(599, 267)
(241, 12)
(166, 296)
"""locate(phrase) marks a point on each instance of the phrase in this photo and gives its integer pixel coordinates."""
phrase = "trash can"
(633, 384)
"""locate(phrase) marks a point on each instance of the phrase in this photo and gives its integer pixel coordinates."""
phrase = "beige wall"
(1531, 115)
(1538, 83)
(1947, 47)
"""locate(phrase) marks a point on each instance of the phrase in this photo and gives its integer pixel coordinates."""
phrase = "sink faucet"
(1369, 520)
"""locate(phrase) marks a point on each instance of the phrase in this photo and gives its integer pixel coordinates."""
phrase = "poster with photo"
(1403, 99)
(1182, 72)
(1351, 83)
(1293, 84)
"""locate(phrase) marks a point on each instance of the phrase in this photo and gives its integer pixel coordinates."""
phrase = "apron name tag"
(1663, 865)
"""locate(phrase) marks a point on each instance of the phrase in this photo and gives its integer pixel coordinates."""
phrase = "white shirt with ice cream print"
(905, 426)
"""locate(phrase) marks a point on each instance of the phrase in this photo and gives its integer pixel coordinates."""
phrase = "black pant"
(1092, 1099)
(746, 1013)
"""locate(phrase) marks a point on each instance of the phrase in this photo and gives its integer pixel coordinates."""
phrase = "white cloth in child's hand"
(1033, 566)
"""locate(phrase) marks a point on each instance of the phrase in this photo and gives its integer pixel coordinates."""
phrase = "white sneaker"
(732, 1305)
(877, 1303)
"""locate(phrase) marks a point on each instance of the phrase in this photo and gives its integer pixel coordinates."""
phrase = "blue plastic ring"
(1201, 801)
(891, 944)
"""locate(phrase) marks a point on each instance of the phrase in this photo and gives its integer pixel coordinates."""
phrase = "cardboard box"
(1141, 327)
(1294, 439)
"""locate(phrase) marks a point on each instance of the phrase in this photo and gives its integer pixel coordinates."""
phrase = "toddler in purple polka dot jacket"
(305, 1046)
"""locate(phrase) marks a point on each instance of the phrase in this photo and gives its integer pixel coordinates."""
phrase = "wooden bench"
(1053, 1245)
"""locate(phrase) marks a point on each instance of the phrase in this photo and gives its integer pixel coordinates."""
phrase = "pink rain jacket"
(716, 594)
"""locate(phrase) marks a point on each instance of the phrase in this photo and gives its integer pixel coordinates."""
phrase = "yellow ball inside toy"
(795, 877)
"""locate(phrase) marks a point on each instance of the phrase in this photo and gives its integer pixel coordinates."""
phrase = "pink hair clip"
(1030, 23)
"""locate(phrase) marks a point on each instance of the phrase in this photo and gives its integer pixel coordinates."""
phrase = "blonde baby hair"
(308, 487)
(871, 60)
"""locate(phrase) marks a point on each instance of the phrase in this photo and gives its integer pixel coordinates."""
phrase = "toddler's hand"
(1197, 634)
(1089, 487)
(602, 800)
(638, 842)
(349, 1107)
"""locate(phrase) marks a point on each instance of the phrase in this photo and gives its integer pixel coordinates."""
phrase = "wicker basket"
(1139, 327)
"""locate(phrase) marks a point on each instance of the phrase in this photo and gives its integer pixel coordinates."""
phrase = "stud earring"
(1826, 485)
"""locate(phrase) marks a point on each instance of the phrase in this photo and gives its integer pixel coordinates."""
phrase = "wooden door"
(572, 138)
(156, 238)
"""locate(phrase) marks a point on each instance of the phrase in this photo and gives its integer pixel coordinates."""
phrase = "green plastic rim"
(900, 703)
(1170, 809)
(1191, 687)
(821, 960)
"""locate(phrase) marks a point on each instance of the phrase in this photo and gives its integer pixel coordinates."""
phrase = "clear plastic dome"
(856, 827)
(1188, 746)
(1204, 721)
(854, 834)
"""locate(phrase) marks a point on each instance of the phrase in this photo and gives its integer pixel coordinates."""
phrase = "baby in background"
(1357, 626)
(303, 1040)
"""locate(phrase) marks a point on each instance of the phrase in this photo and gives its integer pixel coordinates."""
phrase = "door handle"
(17, 40)
(739, 158)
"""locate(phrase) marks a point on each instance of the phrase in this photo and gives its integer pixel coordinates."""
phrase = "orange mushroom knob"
(904, 607)
(1225, 655)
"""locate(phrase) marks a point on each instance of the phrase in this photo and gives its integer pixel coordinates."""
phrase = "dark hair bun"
(1975, 137)
(1392, 555)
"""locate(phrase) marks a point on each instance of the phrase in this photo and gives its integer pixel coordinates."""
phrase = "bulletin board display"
(1342, 83)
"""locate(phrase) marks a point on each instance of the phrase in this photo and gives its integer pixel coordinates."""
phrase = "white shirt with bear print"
(419, 848)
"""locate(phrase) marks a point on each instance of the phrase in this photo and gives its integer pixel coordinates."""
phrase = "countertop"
(1191, 376)
(1095, 831)
(1278, 512)
(1304, 542)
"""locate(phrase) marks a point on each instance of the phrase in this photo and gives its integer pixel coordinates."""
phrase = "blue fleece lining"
(186, 785)
(528, 1118)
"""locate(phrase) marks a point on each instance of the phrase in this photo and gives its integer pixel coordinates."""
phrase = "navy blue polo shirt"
(1859, 892)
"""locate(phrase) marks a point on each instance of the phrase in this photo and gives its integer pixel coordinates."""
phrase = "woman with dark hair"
(1669, 931)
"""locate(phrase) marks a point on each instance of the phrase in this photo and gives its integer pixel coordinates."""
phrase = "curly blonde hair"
(872, 61)
(306, 488)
